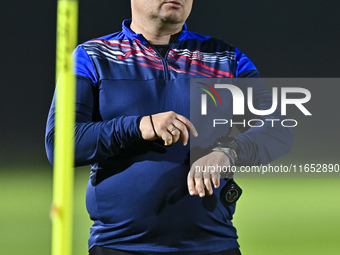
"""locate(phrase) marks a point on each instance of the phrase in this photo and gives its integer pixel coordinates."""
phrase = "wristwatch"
(231, 192)
(228, 145)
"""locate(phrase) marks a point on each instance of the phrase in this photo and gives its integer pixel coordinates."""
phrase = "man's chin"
(172, 19)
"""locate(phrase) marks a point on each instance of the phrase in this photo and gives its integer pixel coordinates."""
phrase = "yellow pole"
(63, 177)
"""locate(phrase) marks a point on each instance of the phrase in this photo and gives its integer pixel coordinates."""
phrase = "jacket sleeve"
(259, 145)
(95, 139)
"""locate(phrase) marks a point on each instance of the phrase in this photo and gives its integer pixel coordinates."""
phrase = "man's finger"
(184, 134)
(176, 134)
(216, 178)
(167, 138)
(191, 185)
(207, 183)
(216, 182)
(200, 186)
(188, 124)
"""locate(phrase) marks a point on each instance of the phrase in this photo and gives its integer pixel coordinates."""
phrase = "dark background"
(283, 38)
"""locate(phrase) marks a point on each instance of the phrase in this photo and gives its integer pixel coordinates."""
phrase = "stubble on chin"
(171, 18)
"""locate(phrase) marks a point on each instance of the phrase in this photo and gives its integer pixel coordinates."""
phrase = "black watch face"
(226, 143)
(231, 195)
(227, 139)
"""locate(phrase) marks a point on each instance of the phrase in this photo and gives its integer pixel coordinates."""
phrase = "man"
(132, 104)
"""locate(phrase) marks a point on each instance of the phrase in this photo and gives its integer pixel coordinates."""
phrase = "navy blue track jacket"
(137, 193)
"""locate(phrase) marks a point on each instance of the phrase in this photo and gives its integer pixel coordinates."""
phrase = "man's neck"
(157, 33)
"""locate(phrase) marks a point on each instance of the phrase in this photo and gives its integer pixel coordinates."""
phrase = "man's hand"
(169, 126)
(202, 173)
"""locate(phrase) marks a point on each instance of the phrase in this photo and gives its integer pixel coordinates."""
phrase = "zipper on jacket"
(164, 60)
